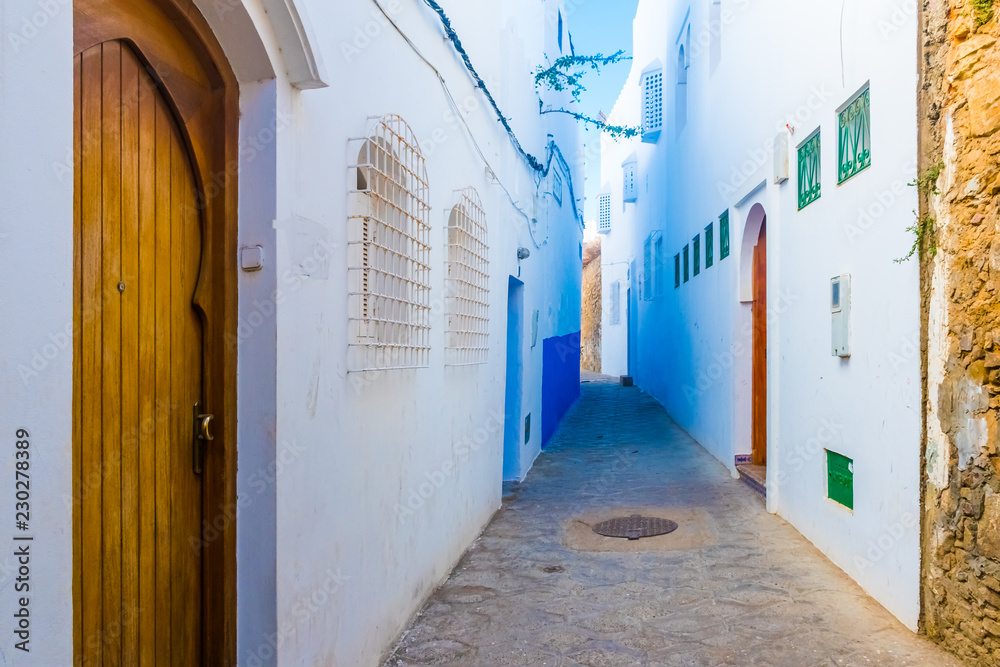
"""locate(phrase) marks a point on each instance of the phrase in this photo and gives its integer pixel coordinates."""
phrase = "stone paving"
(753, 592)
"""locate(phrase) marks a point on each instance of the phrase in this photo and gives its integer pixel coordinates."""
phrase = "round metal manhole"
(635, 527)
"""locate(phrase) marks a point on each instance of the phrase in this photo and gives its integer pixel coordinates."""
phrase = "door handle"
(202, 436)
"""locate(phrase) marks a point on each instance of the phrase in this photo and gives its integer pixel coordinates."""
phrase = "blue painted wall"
(560, 380)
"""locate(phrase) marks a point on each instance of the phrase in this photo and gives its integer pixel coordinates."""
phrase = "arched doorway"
(154, 299)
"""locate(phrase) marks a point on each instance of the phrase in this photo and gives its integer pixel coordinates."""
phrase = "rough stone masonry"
(958, 229)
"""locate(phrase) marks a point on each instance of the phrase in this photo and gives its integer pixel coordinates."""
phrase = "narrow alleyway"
(733, 586)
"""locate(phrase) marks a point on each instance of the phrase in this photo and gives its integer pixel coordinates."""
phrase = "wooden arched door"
(154, 236)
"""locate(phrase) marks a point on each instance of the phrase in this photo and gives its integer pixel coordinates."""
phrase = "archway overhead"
(237, 28)
(295, 35)
(753, 221)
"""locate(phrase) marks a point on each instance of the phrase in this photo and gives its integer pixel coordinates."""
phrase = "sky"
(600, 26)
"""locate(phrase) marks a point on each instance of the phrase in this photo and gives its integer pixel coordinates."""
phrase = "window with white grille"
(604, 213)
(616, 302)
(467, 282)
(681, 98)
(647, 269)
(389, 249)
(658, 265)
(630, 189)
(652, 105)
(652, 279)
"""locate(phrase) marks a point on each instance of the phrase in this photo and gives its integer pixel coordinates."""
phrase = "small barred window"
(604, 213)
(389, 249)
(467, 283)
(652, 105)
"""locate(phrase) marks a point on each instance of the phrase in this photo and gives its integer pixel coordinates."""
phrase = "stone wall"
(590, 359)
(960, 260)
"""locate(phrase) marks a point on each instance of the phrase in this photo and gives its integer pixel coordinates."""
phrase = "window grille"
(652, 105)
(630, 190)
(697, 254)
(647, 266)
(467, 282)
(681, 97)
(724, 235)
(657, 265)
(715, 28)
(604, 213)
(557, 186)
(677, 270)
(809, 171)
(616, 302)
(855, 147)
(560, 28)
(389, 249)
(687, 263)
(709, 246)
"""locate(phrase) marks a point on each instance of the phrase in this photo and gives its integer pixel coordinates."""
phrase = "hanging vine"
(567, 73)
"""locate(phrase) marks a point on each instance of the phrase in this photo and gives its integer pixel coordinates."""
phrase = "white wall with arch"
(737, 154)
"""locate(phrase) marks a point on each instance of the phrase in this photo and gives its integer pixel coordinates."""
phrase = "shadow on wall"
(560, 380)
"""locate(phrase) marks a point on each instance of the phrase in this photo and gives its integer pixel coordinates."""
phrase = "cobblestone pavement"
(757, 593)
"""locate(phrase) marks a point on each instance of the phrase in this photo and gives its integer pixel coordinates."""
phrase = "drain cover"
(635, 527)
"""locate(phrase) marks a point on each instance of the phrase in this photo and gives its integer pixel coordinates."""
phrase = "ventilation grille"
(467, 283)
(652, 106)
(604, 213)
(389, 268)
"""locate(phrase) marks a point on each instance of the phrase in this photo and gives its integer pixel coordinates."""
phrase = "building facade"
(292, 302)
(749, 274)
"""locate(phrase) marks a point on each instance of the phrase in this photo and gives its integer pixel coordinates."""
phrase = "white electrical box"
(840, 307)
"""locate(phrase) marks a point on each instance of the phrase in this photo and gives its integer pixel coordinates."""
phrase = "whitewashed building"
(285, 302)
(772, 178)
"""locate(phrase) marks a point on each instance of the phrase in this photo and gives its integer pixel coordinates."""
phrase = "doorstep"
(755, 477)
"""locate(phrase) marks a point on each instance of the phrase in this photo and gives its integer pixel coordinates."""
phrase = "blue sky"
(601, 26)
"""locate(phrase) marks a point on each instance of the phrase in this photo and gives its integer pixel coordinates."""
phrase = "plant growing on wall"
(923, 228)
(982, 11)
(567, 73)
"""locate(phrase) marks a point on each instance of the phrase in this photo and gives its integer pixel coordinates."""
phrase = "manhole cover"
(635, 527)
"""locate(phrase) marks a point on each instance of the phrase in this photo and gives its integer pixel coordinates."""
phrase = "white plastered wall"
(695, 343)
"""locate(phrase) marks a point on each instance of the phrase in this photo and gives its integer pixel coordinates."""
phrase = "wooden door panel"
(759, 408)
(138, 564)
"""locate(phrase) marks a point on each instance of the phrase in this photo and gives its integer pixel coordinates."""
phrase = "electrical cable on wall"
(553, 149)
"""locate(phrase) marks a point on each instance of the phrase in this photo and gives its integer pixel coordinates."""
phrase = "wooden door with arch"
(155, 125)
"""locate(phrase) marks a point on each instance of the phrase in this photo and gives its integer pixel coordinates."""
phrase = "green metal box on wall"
(840, 479)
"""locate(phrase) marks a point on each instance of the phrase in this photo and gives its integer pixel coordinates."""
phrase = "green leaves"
(567, 73)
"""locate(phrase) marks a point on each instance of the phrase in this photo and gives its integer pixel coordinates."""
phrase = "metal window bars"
(467, 283)
(389, 251)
